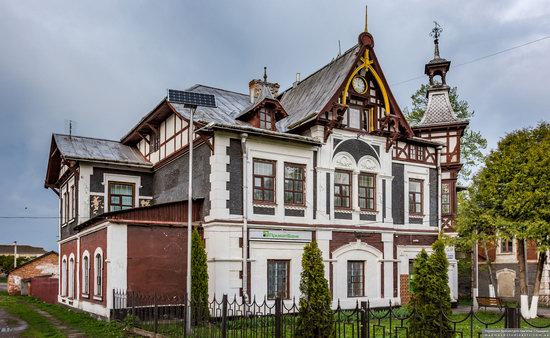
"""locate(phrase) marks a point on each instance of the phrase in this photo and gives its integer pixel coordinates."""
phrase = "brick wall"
(44, 265)
(404, 286)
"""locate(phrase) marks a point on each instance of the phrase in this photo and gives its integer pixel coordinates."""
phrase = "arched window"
(71, 276)
(98, 273)
(64, 276)
(86, 274)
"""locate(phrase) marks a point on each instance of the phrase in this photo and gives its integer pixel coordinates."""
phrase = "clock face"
(359, 85)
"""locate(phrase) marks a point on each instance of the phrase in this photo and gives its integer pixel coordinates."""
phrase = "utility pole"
(14, 254)
(191, 101)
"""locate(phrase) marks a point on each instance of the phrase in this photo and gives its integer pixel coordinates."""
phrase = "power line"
(478, 59)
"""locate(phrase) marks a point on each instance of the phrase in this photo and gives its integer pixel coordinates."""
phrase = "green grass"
(21, 307)
(38, 326)
(80, 321)
(347, 328)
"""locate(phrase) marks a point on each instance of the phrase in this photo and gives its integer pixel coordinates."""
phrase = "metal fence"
(277, 318)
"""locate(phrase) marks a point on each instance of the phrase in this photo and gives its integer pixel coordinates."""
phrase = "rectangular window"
(73, 206)
(277, 279)
(121, 196)
(356, 278)
(342, 189)
(506, 246)
(264, 181)
(367, 191)
(294, 184)
(416, 192)
(66, 207)
(266, 119)
(445, 198)
(354, 116)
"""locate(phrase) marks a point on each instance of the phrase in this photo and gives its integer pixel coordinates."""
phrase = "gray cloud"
(105, 64)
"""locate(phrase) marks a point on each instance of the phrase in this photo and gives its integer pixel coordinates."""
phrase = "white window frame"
(136, 180)
(98, 272)
(71, 273)
(86, 274)
(64, 276)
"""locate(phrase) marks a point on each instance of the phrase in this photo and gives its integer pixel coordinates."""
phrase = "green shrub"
(315, 315)
(199, 280)
(431, 294)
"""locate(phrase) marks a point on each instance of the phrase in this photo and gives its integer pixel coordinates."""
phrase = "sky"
(105, 64)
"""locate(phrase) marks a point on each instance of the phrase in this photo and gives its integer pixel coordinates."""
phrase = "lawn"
(347, 325)
(38, 326)
(21, 307)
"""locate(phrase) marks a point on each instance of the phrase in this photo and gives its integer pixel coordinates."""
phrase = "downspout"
(245, 217)
(438, 156)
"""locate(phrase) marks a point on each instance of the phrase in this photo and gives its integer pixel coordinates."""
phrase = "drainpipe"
(245, 217)
(438, 156)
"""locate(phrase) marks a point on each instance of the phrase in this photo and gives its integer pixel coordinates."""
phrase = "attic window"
(266, 119)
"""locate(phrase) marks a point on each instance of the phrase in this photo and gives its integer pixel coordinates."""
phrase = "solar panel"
(191, 98)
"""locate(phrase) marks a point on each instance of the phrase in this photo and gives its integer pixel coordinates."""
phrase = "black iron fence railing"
(277, 318)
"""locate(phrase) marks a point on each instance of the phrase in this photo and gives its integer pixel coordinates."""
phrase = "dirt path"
(70, 332)
(10, 326)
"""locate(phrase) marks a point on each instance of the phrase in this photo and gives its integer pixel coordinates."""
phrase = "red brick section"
(91, 242)
(67, 249)
(43, 265)
(342, 238)
(404, 285)
(157, 260)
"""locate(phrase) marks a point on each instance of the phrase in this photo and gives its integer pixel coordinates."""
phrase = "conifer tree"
(315, 315)
(431, 294)
(199, 279)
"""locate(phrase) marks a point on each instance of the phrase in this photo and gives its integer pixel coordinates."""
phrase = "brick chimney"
(255, 87)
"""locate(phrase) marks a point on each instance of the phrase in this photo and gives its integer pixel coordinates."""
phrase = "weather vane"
(436, 31)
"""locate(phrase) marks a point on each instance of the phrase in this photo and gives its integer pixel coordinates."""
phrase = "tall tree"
(315, 315)
(431, 295)
(473, 143)
(199, 279)
(513, 190)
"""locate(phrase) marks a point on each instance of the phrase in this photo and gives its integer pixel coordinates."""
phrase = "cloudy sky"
(104, 64)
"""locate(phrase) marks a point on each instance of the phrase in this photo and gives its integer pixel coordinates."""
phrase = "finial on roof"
(265, 75)
(366, 18)
(435, 33)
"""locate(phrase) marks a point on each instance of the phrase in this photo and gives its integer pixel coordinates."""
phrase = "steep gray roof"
(310, 95)
(85, 148)
(229, 105)
(438, 110)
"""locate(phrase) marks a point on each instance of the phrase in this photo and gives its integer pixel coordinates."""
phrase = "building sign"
(279, 235)
(450, 251)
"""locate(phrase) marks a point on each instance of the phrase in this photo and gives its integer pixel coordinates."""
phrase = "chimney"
(255, 87)
(297, 80)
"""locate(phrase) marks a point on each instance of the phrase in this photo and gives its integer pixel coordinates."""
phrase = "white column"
(387, 239)
(117, 260)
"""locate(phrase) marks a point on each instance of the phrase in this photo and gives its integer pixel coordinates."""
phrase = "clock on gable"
(359, 85)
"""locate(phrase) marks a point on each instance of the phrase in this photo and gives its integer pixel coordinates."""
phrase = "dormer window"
(266, 119)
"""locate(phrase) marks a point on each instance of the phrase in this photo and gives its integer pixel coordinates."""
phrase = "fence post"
(224, 316)
(278, 317)
(364, 316)
(156, 313)
(511, 316)
(185, 305)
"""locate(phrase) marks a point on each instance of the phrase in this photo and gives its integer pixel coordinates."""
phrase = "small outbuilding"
(19, 278)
